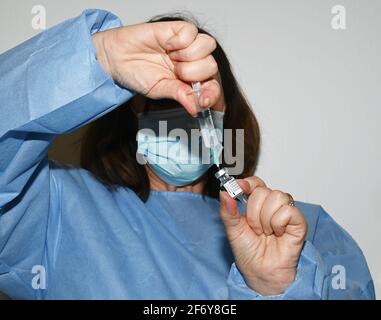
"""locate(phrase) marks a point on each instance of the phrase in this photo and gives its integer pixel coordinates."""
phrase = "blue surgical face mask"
(178, 157)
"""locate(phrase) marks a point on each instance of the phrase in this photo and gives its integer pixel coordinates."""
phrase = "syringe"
(211, 141)
(205, 120)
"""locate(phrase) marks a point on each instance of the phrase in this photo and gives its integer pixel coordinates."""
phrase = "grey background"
(315, 90)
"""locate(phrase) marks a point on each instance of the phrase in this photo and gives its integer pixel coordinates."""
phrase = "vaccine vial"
(231, 185)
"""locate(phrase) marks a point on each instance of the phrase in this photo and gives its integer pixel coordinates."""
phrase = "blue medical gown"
(93, 243)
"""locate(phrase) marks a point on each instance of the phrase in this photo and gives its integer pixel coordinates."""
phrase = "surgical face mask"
(170, 142)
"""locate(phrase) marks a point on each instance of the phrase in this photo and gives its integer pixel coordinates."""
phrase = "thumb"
(229, 211)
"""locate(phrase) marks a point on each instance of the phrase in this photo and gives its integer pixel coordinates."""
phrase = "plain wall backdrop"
(316, 92)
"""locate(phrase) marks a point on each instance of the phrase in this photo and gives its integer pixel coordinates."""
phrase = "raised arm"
(49, 85)
(62, 79)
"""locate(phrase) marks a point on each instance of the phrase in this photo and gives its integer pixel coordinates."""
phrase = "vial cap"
(221, 173)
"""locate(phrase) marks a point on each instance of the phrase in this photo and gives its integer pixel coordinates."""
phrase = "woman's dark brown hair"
(108, 148)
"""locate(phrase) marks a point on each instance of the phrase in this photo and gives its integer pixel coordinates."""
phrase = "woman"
(119, 229)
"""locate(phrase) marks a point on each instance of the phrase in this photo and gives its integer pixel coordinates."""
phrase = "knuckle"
(185, 54)
(274, 223)
(253, 223)
(287, 210)
(213, 64)
(296, 212)
(212, 43)
(261, 192)
(254, 178)
(188, 27)
(184, 72)
(192, 27)
(183, 41)
(186, 33)
(279, 195)
(259, 181)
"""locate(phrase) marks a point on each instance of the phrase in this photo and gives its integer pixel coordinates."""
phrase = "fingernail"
(206, 102)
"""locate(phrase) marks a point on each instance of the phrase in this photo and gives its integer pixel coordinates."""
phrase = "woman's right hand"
(160, 59)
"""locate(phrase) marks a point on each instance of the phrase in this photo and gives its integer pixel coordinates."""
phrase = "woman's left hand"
(267, 240)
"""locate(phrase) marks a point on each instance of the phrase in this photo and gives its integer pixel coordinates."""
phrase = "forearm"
(49, 85)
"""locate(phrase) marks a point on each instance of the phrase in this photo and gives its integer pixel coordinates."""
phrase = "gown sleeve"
(49, 85)
(331, 266)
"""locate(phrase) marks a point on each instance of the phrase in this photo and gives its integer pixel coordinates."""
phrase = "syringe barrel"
(205, 119)
(208, 132)
(207, 129)
(197, 93)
